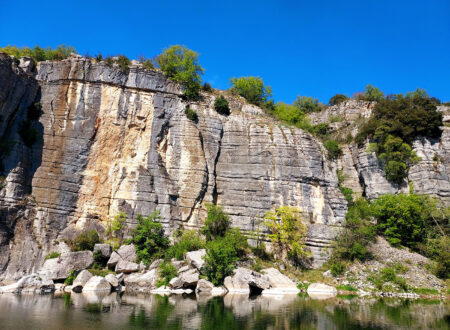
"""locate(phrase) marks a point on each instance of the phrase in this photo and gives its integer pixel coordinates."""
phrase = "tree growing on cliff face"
(337, 99)
(307, 104)
(252, 89)
(221, 105)
(181, 64)
(288, 234)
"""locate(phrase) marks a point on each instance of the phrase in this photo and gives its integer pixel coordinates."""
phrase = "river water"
(114, 311)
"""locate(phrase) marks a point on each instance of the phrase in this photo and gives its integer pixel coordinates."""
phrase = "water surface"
(114, 311)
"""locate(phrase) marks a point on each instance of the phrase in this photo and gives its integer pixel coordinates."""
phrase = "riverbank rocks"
(80, 281)
(246, 281)
(104, 249)
(29, 284)
(97, 283)
(60, 268)
(321, 288)
(142, 282)
(155, 264)
(124, 260)
(195, 258)
(126, 267)
(204, 286)
(112, 280)
(279, 283)
(186, 279)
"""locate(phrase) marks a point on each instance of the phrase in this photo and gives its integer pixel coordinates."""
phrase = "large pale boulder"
(59, 268)
(97, 283)
(279, 283)
(114, 259)
(204, 286)
(127, 252)
(141, 282)
(111, 279)
(33, 283)
(104, 249)
(195, 258)
(126, 267)
(321, 288)
(245, 280)
(80, 281)
(185, 280)
(155, 264)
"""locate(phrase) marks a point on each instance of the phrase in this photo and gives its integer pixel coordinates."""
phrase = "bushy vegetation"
(181, 65)
(207, 87)
(85, 241)
(252, 89)
(72, 276)
(337, 99)
(147, 63)
(39, 54)
(307, 104)
(371, 94)
(52, 255)
(288, 234)
(149, 238)
(187, 240)
(217, 222)
(334, 151)
(386, 275)
(394, 124)
(191, 114)
(221, 105)
(116, 225)
(166, 271)
(124, 63)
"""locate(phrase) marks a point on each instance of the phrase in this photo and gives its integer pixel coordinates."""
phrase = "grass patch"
(101, 272)
(53, 255)
(425, 291)
(346, 287)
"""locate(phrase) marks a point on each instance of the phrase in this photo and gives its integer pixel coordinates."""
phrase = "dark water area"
(114, 311)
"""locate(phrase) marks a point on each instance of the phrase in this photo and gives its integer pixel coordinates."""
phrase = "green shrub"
(217, 222)
(337, 99)
(39, 54)
(124, 63)
(347, 192)
(98, 57)
(191, 114)
(149, 238)
(72, 276)
(221, 105)
(371, 94)
(346, 287)
(146, 63)
(207, 87)
(337, 268)
(181, 65)
(116, 225)
(189, 240)
(109, 61)
(167, 271)
(252, 89)
(288, 113)
(53, 255)
(28, 133)
(100, 272)
(321, 130)
(288, 233)
(306, 104)
(85, 241)
(334, 151)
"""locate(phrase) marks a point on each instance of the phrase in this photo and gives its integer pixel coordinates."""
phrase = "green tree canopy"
(252, 89)
(307, 104)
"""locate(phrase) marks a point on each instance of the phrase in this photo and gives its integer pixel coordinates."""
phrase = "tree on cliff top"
(180, 64)
(252, 89)
(40, 54)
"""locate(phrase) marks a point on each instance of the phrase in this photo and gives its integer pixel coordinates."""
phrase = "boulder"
(126, 267)
(177, 264)
(195, 258)
(204, 286)
(218, 291)
(321, 288)
(245, 280)
(112, 280)
(127, 252)
(97, 283)
(185, 280)
(33, 283)
(83, 277)
(114, 259)
(141, 282)
(105, 249)
(155, 264)
(59, 268)
(279, 283)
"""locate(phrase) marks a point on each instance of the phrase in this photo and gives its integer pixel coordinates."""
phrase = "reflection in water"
(108, 311)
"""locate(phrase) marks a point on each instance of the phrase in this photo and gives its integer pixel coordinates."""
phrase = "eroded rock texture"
(113, 141)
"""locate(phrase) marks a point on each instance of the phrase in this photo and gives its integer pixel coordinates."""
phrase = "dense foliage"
(307, 104)
(191, 114)
(40, 54)
(123, 63)
(181, 64)
(334, 151)
(187, 240)
(221, 105)
(337, 99)
(85, 241)
(217, 222)
(167, 271)
(288, 233)
(149, 238)
(116, 225)
(252, 89)
(371, 94)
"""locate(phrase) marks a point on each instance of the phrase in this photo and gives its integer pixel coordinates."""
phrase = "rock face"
(111, 141)
(105, 250)
(97, 283)
(59, 268)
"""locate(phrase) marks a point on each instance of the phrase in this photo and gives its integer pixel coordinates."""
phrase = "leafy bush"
(109, 61)
(321, 130)
(252, 89)
(146, 63)
(337, 268)
(221, 105)
(439, 250)
(167, 271)
(207, 87)
(371, 94)
(346, 287)
(388, 274)
(337, 99)
(72, 276)
(100, 272)
(98, 57)
(288, 233)
(334, 151)
(116, 225)
(191, 114)
(123, 63)
(149, 238)
(189, 240)
(348, 193)
(181, 65)
(53, 255)
(28, 133)
(306, 104)
(217, 222)
(85, 241)
(39, 54)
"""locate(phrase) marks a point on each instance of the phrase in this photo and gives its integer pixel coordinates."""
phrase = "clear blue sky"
(314, 48)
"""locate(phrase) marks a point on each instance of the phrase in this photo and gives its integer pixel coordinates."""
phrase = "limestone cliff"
(113, 141)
